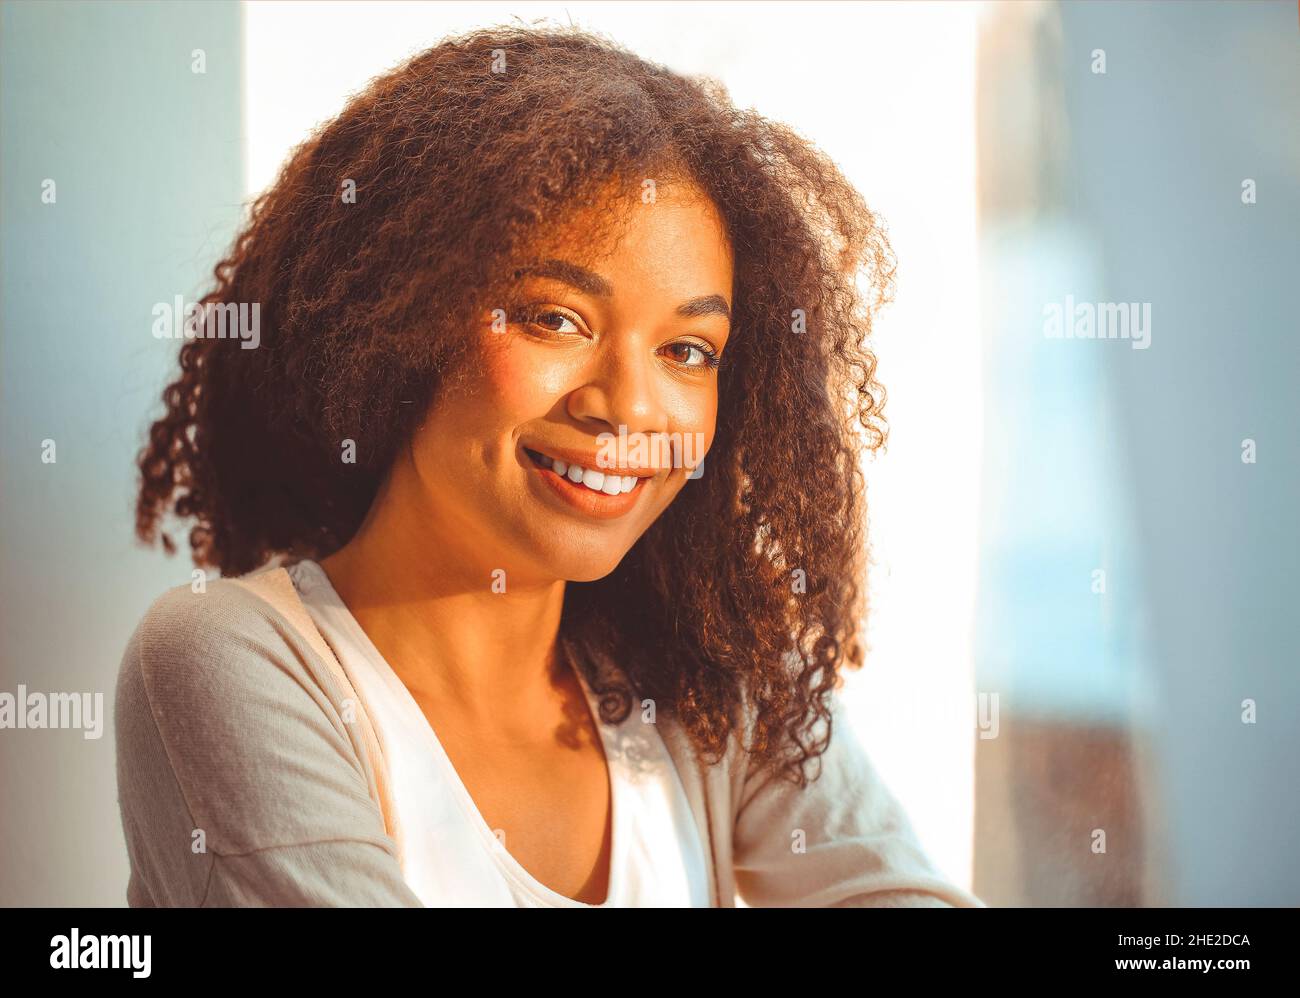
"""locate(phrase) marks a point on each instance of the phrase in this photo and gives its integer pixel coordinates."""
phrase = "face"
(597, 396)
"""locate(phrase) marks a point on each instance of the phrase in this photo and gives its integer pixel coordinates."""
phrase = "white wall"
(145, 156)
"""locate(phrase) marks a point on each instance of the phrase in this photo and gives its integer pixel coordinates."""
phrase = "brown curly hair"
(364, 312)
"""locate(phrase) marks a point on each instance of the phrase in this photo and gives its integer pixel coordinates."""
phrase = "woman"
(493, 630)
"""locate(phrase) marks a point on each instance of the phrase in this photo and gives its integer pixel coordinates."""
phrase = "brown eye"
(554, 321)
(693, 354)
(549, 320)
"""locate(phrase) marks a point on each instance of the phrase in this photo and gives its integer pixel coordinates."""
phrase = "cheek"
(473, 428)
(696, 413)
(521, 384)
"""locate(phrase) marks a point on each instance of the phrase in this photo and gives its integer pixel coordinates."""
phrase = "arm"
(237, 781)
(843, 841)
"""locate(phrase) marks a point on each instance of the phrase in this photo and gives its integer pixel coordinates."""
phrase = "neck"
(432, 610)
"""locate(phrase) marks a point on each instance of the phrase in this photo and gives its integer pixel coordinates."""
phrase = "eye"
(549, 320)
(692, 354)
(554, 321)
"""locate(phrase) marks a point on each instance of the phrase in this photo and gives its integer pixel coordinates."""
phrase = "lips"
(591, 491)
(608, 482)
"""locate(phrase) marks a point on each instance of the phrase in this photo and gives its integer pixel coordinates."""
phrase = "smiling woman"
(487, 664)
(610, 343)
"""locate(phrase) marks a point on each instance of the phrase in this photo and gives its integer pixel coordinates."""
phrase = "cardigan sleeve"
(842, 841)
(238, 783)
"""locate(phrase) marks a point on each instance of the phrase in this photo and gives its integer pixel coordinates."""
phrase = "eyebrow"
(593, 284)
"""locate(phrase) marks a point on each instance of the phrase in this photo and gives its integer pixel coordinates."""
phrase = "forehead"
(676, 239)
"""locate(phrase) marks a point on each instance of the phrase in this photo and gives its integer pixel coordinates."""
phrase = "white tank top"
(452, 857)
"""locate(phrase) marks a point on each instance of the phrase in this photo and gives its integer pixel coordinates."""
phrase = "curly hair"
(748, 592)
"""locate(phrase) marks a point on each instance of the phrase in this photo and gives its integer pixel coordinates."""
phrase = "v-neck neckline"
(469, 808)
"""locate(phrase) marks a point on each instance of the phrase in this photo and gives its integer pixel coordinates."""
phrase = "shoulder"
(203, 656)
(843, 839)
(213, 621)
(221, 646)
(218, 694)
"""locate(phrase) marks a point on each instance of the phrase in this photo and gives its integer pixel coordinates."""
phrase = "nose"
(621, 392)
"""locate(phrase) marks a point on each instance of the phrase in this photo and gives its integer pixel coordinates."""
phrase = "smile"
(601, 494)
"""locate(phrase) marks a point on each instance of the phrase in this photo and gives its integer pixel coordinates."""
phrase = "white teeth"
(597, 481)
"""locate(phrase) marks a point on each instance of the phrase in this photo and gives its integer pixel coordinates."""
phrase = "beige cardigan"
(249, 774)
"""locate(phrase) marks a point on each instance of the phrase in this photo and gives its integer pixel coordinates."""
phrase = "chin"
(572, 560)
(585, 569)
